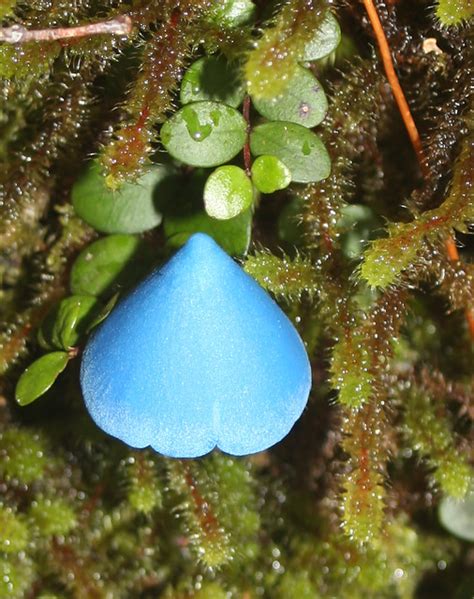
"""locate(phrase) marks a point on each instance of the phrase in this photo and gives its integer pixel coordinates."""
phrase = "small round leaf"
(105, 265)
(270, 174)
(232, 13)
(212, 78)
(204, 134)
(130, 209)
(457, 515)
(325, 39)
(303, 101)
(227, 193)
(298, 148)
(186, 217)
(39, 377)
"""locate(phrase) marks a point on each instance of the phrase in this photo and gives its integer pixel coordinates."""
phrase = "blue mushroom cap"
(198, 356)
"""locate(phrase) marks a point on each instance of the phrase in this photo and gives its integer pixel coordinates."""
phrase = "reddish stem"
(246, 115)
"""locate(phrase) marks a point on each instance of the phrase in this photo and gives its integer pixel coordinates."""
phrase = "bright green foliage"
(388, 257)
(16, 576)
(430, 434)
(18, 61)
(218, 532)
(285, 278)
(13, 531)
(40, 376)
(298, 148)
(204, 134)
(130, 209)
(457, 515)
(350, 369)
(296, 585)
(325, 40)
(52, 516)
(22, 455)
(454, 12)
(144, 485)
(227, 193)
(6, 8)
(105, 265)
(66, 324)
(363, 487)
(212, 78)
(273, 61)
(303, 101)
(269, 174)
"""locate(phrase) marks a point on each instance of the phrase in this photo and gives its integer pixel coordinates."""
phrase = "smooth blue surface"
(198, 356)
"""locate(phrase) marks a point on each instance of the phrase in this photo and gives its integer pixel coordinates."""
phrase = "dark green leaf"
(298, 148)
(325, 40)
(39, 377)
(303, 101)
(68, 321)
(232, 13)
(290, 226)
(204, 134)
(212, 78)
(131, 209)
(102, 315)
(270, 174)
(227, 193)
(357, 225)
(107, 264)
(182, 219)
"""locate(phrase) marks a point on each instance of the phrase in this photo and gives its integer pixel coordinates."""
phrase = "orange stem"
(452, 250)
(395, 83)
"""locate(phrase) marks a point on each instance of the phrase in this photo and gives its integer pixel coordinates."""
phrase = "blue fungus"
(198, 356)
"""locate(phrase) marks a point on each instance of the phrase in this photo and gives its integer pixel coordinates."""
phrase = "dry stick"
(410, 125)
(17, 34)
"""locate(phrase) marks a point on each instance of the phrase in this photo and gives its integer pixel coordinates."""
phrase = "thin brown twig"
(17, 34)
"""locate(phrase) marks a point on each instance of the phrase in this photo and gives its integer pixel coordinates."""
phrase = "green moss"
(13, 531)
(52, 516)
(23, 454)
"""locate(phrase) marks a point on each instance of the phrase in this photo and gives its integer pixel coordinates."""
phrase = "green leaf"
(290, 226)
(130, 209)
(39, 377)
(303, 101)
(182, 219)
(108, 264)
(212, 78)
(227, 193)
(232, 13)
(204, 134)
(69, 321)
(357, 224)
(102, 315)
(298, 148)
(270, 174)
(325, 40)
(457, 515)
